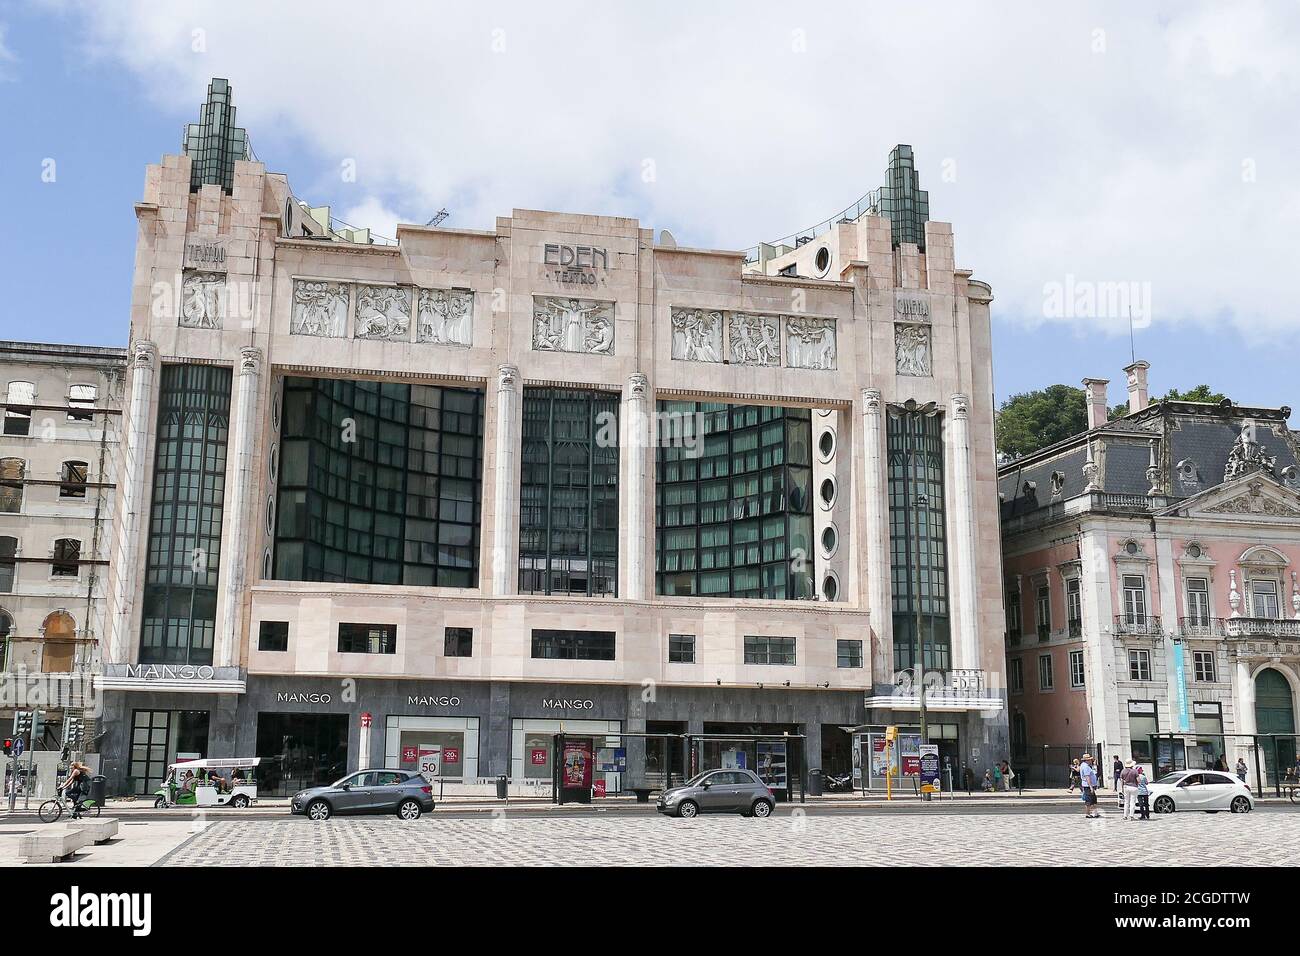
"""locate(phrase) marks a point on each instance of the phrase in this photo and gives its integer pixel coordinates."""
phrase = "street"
(924, 836)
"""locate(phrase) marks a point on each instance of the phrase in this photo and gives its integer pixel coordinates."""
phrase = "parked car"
(1208, 790)
(404, 792)
(719, 791)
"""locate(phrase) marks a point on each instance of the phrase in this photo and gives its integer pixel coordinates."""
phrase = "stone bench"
(101, 829)
(52, 844)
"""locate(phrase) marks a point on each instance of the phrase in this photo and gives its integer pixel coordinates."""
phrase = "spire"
(215, 143)
(902, 200)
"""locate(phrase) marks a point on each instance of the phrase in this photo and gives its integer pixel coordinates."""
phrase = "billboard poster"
(772, 765)
(612, 759)
(857, 756)
(909, 745)
(577, 764)
(880, 760)
(735, 758)
(929, 768)
(430, 760)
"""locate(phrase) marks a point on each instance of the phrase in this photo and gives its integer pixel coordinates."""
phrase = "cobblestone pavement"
(1183, 839)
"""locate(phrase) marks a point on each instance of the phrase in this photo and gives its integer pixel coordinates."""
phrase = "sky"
(1100, 162)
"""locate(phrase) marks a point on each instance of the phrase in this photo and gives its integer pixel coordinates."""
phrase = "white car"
(1208, 790)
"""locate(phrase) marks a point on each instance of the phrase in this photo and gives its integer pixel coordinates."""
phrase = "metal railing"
(1139, 625)
(1105, 501)
(1239, 627)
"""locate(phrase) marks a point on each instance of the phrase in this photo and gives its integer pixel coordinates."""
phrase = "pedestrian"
(1241, 769)
(997, 777)
(1143, 795)
(1007, 776)
(1221, 763)
(1117, 770)
(988, 781)
(1128, 779)
(1074, 774)
(1088, 786)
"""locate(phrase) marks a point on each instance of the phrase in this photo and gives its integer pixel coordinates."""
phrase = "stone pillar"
(1244, 711)
(505, 491)
(635, 746)
(633, 530)
(875, 538)
(1137, 385)
(964, 560)
(133, 476)
(243, 442)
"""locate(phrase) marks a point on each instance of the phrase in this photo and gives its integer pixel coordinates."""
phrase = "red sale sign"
(598, 788)
(538, 757)
(408, 755)
(450, 755)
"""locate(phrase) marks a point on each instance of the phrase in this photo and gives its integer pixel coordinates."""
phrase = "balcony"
(1138, 625)
(1220, 628)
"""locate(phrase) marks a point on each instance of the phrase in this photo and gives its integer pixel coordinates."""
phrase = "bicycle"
(51, 810)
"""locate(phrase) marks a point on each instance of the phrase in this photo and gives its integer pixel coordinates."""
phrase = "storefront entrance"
(300, 750)
(160, 738)
(445, 747)
(1275, 714)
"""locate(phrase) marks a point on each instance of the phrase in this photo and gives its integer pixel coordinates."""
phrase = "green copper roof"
(215, 142)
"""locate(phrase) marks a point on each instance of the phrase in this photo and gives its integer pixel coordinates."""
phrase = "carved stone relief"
(383, 312)
(810, 342)
(573, 325)
(319, 308)
(445, 317)
(203, 300)
(697, 335)
(754, 339)
(912, 349)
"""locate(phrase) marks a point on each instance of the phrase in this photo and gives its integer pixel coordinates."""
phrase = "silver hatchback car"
(719, 791)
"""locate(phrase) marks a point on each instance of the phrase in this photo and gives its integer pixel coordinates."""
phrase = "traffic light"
(23, 722)
(9, 746)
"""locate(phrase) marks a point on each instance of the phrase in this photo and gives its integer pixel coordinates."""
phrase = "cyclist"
(77, 786)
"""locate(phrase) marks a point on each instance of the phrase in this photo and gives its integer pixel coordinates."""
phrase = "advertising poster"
(929, 768)
(879, 757)
(577, 764)
(734, 759)
(430, 760)
(612, 760)
(598, 788)
(909, 745)
(1180, 688)
(537, 756)
(772, 765)
(857, 756)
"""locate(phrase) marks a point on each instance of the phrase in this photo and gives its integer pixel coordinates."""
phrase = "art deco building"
(1152, 605)
(467, 488)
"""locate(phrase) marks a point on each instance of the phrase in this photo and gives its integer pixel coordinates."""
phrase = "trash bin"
(501, 786)
(98, 789)
(815, 782)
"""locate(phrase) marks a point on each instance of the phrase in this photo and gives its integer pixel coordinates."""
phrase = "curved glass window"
(379, 483)
(733, 508)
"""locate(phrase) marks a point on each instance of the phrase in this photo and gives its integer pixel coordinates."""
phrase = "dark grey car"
(719, 791)
(404, 792)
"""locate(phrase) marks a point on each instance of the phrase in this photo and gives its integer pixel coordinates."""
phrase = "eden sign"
(574, 264)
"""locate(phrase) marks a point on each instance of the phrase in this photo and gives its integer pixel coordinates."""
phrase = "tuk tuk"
(212, 782)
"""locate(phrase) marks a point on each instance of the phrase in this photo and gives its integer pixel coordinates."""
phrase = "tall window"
(6, 631)
(1073, 607)
(1135, 600)
(915, 446)
(1013, 617)
(769, 650)
(67, 557)
(733, 501)
(379, 483)
(1263, 599)
(72, 478)
(1076, 668)
(1016, 675)
(1043, 607)
(568, 496)
(1139, 665)
(1198, 602)
(8, 564)
(81, 401)
(1203, 664)
(12, 473)
(1046, 680)
(189, 486)
(19, 399)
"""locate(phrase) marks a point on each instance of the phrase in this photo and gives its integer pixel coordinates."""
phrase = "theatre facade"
(467, 489)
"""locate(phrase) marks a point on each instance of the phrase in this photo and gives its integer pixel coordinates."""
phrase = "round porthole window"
(830, 588)
(266, 565)
(822, 261)
(826, 444)
(275, 463)
(275, 413)
(830, 540)
(827, 492)
(1131, 547)
(1194, 551)
(270, 516)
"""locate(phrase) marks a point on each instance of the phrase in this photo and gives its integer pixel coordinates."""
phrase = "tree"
(1034, 420)
(1201, 393)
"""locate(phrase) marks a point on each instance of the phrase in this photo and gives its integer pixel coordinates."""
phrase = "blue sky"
(1103, 144)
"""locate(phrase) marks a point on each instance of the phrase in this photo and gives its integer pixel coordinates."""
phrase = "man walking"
(1128, 780)
(1088, 784)
(1117, 770)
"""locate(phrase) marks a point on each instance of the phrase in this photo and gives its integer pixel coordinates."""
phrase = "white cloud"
(1107, 142)
(7, 57)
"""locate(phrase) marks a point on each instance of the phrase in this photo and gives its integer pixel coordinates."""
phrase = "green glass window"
(568, 495)
(189, 486)
(733, 515)
(379, 483)
(916, 472)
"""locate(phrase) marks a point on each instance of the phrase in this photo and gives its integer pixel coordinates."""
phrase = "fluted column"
(243, 442)
(505, 491)
(633, 530)
(133, 479)
(875, 536)
(966, 651)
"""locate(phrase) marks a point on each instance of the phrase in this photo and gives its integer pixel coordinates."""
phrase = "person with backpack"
(77, 787)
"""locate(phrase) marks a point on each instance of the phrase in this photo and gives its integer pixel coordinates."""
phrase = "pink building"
(1150, 570)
